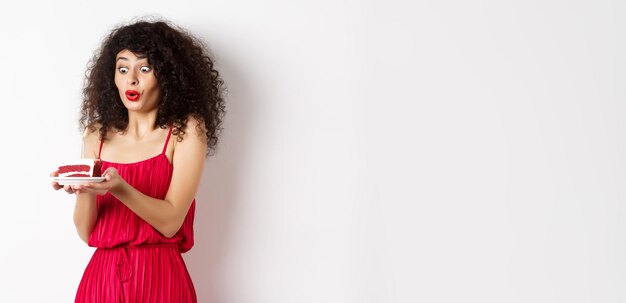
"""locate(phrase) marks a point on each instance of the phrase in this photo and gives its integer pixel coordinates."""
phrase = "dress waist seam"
(141, 246)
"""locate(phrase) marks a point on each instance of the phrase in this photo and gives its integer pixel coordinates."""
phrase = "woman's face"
(136, 82)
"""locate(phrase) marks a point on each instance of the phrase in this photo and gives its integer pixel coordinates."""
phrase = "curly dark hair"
(189, 84)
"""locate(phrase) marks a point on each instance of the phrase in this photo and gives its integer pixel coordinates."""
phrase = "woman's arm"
(86, 210)
(85, 214)
(165, 215)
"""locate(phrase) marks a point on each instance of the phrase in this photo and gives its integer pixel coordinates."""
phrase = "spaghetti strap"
(167, 141)
(100, 150)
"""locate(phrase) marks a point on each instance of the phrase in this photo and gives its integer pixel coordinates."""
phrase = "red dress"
(133, 262)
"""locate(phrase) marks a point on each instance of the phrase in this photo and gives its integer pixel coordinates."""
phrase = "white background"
(373, 151)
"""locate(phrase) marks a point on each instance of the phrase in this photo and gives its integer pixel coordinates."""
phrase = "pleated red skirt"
(133, 262)
(136, 274)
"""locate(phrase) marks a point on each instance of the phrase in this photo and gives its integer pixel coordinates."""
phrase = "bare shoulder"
(91, 142)
(194, 126)
(194, 130)
(194, 137)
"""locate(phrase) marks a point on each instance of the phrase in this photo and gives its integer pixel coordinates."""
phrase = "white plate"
(76, 180)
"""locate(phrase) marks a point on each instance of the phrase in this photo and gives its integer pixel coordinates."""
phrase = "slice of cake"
(81, 168)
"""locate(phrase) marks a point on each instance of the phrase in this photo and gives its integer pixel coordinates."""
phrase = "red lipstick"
(132, 95)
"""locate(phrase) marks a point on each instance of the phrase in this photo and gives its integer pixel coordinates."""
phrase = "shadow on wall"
(217, 195)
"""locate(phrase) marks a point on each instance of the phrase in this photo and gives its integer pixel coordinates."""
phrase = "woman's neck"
(141, 124)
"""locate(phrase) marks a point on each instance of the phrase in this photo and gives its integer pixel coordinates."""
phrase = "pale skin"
(141, 140)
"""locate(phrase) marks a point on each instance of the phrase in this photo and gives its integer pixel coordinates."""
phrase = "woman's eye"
(145, 68)
(123, 70)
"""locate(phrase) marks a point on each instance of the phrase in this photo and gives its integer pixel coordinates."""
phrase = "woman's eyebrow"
(126, 59)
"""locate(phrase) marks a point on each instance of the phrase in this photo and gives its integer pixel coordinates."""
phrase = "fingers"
(91, 188)
(106, 172)
(109, 174)
(56, 186)
(106, 175)
(94, 187)
(68, 189)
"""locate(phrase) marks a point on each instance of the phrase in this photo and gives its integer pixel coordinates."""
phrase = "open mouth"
(132, 95)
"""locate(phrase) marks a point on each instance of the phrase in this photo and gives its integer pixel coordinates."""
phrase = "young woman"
(152, 111)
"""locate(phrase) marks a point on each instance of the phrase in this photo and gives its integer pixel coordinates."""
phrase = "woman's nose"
(131, 79)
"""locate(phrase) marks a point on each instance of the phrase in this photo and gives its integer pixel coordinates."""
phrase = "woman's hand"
(112, 180)
(55, 185)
